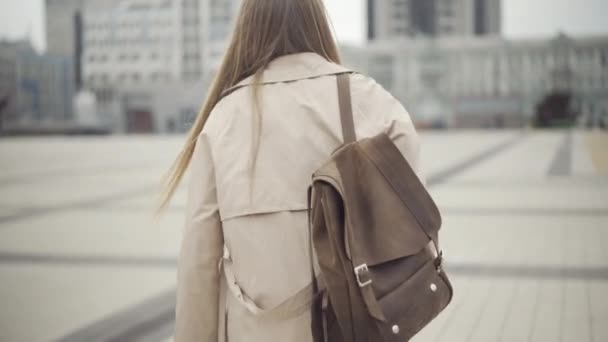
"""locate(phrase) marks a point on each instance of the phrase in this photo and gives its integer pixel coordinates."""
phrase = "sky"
(521, 18)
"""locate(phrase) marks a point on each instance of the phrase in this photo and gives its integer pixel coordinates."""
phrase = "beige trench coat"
(257, 225)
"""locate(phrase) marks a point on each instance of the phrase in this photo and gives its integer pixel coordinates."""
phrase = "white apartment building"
(218, 21)
(140, 48)
(138, 41)
(387, 19)
(155, 40)
(487, 81)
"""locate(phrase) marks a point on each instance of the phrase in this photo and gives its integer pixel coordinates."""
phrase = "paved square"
(525, 230)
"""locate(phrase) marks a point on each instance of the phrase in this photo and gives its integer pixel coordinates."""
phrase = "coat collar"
(294, 67)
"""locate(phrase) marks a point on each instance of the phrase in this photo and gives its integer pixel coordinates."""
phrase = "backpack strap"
(346, 108)
(320, 299)
(348, 132)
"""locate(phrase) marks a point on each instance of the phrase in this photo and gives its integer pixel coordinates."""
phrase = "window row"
(127, 77)
(131, 25)
(123, 57)
(531, 61)
(129, 41)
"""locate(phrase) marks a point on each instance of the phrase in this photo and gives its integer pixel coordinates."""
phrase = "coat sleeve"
(383, 112)
(198, 276)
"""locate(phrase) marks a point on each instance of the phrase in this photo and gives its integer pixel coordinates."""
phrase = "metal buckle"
(437, 255)
(439, 261)
(360, 269)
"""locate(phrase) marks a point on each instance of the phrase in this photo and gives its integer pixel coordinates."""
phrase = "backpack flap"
(381, 227)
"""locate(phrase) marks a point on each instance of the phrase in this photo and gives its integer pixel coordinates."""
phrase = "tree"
(555, 110)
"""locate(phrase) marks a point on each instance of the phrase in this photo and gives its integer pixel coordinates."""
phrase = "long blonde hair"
(264, 30)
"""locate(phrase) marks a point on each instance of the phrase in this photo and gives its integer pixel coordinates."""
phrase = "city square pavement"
(525, 232)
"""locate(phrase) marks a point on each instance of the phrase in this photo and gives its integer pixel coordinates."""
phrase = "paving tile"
(597, 142)
(548, 316)
(519, 320)
(576, 316)
(598, 304)
(582, 164)
(492, 317)
(462, 327)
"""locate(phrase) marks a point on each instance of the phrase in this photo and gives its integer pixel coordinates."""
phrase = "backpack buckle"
(439, 261)
(362, 270)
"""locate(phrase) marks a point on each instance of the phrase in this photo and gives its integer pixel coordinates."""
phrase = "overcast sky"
(521, 18)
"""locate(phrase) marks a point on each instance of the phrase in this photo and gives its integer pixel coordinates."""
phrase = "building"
(9, 92)
(138, 48)
(191, 38)
(36, 90)
(64, 29)
(60, 22)
(218, 17)
(388, 19)
(134, 43)
(155, 40)
(149, 62)
(137, 53)
(60, 25)
(168, 108)
(487, 81)
(487, 16)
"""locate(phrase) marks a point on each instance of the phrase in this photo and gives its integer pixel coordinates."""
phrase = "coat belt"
(289, 308)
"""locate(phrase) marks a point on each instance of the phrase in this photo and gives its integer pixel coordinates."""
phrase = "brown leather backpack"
(374, 229)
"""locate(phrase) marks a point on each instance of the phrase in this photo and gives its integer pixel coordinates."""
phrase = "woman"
(270, 119)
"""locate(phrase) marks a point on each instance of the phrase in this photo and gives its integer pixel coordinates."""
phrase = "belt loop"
(226, 255)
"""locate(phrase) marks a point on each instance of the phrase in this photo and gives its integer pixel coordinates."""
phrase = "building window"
(446, 9)
(383, 70)
(371, 29)
(446, 28)
(480, 10)
(187, 117)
